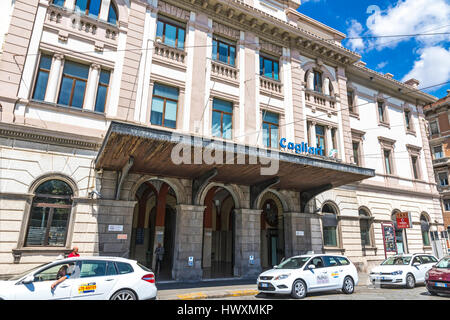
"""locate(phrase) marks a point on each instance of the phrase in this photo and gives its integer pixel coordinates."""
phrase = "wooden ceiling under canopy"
(151, 151)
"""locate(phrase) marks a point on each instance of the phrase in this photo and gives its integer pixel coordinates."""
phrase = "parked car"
(403, 270)
(437, 279)
(94, 278)
(301, 275)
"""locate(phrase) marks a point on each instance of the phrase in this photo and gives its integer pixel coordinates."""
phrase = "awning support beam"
(122, 175)
(306, 196)
(200, 182)
(257, 189)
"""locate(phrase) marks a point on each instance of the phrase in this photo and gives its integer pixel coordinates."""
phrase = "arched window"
(365, 225)
(425, 227)
(318, 81)
(112, 14)
(50, 213)
(89, 7)
(329, 225)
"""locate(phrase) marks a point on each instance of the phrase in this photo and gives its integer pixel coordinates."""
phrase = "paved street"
(247, 290)
(362, 293)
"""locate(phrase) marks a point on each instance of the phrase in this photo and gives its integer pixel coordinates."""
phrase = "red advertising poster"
(389, 240)
(403, 220)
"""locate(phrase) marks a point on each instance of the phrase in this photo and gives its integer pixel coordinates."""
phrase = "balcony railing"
(318, 100)
(66, 21)
(170, 54)
(271, 86)
(224, 71)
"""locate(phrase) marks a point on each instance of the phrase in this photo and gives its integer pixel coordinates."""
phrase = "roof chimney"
(413, 83)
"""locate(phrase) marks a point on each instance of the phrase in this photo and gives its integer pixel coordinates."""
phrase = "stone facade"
(42, 140)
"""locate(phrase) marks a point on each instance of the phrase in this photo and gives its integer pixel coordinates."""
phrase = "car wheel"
(348, 286)
(410, 281)
(298, 289)
(124, 294)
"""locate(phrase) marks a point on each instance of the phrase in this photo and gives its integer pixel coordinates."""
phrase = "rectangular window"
(59, 3)
(102, 91)
(320, 138)
(270, 129)
(356, 153)
(438, 153)
(222, 118)
(388, 161)
(447, 205)
(415, 165)
(171, 33)
(408, 120)
(381, 112)
(350, 98)
(224, 52)
(317, 81)
(40, 86)
(269, 68)
(164, 106)
(73, 85)
(434, 128)
(443, 179)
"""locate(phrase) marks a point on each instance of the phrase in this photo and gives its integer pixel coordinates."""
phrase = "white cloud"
(411, 17)
(355, 31)
(381, 65)
(433, 67)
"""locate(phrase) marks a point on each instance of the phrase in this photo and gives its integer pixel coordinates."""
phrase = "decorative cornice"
(174, 11)
(46, 136)
(222, 29)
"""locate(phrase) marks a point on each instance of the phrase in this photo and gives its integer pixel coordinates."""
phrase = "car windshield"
(23, 274)
(293, 263)
(403, 261)
(444, 263)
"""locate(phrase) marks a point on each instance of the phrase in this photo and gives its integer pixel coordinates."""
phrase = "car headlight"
(282, 277)
(396, 273)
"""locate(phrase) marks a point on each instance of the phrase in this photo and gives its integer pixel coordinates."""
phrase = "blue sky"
(425, 58)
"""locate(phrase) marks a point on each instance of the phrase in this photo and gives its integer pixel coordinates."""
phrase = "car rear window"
(343, 261)
(144, 267)
(124, 268)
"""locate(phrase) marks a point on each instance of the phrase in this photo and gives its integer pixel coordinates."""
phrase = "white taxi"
(404, 269)
(81, 278)
(300, 275)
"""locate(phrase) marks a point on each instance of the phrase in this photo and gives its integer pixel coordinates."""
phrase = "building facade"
(437, 115)
(93, 93)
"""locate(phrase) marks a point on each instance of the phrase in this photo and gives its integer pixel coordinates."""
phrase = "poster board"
(389, 240)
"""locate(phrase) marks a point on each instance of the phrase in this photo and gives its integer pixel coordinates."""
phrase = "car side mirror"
(415, 264)
(311, 266)
(28, 279)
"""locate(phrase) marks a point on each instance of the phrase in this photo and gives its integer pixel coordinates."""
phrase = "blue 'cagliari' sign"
(301, 148)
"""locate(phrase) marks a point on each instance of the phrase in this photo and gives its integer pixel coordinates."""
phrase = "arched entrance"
(218, 234)
(154, 223)
(272, 231)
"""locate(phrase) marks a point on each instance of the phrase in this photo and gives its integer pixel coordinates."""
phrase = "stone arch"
(234, 190)
(426, 216)
(333, 205)
(309, 66)
(287, 207)
(122, 10)
(175, 184)
(54, 176)
(366, 210)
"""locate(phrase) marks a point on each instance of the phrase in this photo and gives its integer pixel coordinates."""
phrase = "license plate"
(264, 285)
(439, 284)
(380, 278)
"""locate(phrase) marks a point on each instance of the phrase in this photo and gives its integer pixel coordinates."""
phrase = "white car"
(405, 270)
(300, 275)
(92, 278)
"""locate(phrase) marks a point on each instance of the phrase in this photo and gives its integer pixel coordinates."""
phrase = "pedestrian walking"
(74, 253)
(159, 251)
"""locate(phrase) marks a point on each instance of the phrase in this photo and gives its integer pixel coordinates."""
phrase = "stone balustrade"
(169, 53)
(224, 71)
(270, 85)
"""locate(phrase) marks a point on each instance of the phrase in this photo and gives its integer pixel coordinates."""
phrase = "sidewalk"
(215, 289)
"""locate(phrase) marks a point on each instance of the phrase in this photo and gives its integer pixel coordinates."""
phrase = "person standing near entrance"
(159, 251)
(74, 253)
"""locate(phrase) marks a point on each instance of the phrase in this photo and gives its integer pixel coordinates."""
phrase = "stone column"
(104, 10)
(53, 78)
(188, 243)
(313, 135)
(69, 4)
(302, 233)
(247, 243)
(91, 94)
(329, 140)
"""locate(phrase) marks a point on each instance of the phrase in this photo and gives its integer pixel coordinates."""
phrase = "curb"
(202, 295)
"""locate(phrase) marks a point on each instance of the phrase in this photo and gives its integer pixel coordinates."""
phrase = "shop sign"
(301, 148)
(404, 220)
(115, 228)
(389, 237)
(299, 233)
(122, 237)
